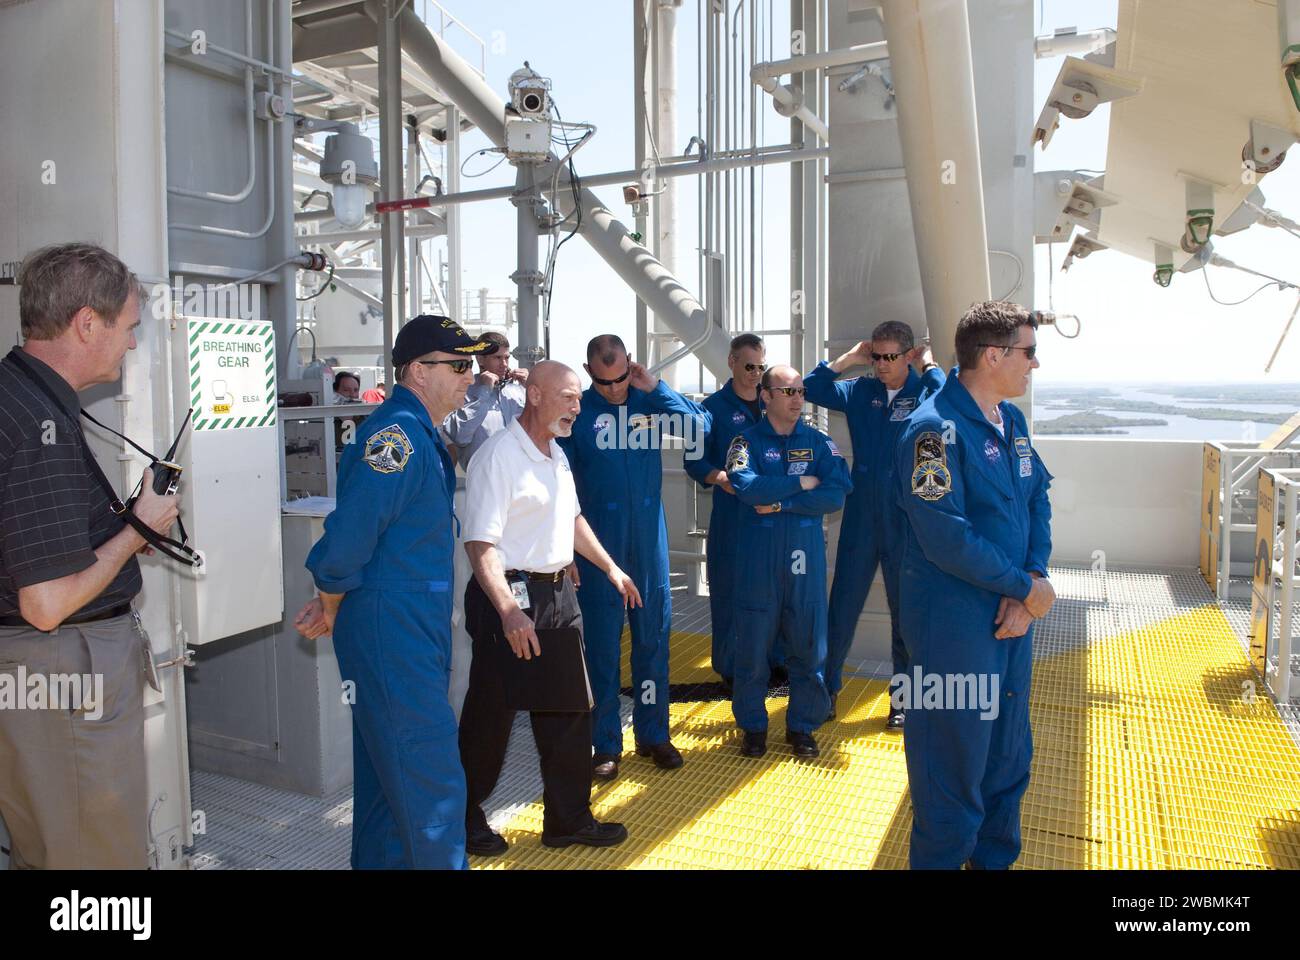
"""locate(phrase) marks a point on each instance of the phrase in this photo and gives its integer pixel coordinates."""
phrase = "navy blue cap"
(429, 333)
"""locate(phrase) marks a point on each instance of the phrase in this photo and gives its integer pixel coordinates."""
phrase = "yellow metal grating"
(1149, 753)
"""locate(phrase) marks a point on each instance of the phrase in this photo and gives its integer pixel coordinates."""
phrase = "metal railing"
(1276, 578)
(1228, 498)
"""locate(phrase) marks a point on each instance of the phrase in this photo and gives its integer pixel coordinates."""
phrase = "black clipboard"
(555, 682)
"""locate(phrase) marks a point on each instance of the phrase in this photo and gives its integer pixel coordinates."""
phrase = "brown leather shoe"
(666, 756)
(604, 766)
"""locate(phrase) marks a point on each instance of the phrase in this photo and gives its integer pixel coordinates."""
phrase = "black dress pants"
(563, 739)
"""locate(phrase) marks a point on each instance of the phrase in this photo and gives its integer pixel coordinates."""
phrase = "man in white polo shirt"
(521, 529)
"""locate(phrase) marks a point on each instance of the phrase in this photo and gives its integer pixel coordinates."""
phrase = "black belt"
(555, 577)
(118, 611)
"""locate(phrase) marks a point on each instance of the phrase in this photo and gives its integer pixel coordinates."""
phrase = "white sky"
(1132, 329)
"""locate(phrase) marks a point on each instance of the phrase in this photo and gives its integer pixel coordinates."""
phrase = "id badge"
(519, 590)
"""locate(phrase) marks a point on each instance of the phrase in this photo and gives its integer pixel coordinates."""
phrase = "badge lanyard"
(178, 550)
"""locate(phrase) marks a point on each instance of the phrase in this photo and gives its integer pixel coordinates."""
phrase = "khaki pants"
(72, 775)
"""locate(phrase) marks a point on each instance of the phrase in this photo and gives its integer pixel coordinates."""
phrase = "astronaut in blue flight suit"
(613, 451)
(734, 407)
(787, 476)
(973, 580)
(384, 572)
(871, 528)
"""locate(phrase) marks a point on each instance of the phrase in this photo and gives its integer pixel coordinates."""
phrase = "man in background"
(614, 449)
(788, 476)
(496, 397)
(877, 409)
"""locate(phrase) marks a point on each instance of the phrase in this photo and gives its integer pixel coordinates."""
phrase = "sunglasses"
(755, 367)
(610, 383)
(457, 366)
(1029, 351)
(788, 391)
(888, 357)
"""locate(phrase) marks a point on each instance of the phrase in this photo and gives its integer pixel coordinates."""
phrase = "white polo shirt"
(522, 502)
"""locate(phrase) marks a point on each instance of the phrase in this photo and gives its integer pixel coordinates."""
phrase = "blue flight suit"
(730, 415)
(618, 471)
(780, 586)
(388, 548)
(979, 524)
(871, 528)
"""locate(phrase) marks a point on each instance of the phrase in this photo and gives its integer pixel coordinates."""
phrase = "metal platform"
(1151, 751)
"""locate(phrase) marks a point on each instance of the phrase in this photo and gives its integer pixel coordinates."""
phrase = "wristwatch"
(927, 366)
(776, 507)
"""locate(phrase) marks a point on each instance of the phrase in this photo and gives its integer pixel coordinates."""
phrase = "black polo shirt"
(53, 512)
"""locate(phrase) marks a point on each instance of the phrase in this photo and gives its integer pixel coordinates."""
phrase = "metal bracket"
(185, 660)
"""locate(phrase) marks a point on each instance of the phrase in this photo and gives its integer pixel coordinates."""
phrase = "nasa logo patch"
(992, 453)
(388, 450)
(772, 454)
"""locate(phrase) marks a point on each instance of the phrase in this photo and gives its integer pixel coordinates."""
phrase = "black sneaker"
(895, 721)
(593, 834)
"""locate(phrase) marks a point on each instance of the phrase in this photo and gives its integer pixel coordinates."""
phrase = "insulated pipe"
(861, 53)
(929, 42)
(462, 84)
(790, 105)
(649, 279)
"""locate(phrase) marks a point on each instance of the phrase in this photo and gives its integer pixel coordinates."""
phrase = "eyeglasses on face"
(787, 391)
(610, 383)
(1029, 351)
(887, 357)
(457, 366)
(755, 367)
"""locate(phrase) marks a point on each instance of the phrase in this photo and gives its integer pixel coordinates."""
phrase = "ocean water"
(1177, 427)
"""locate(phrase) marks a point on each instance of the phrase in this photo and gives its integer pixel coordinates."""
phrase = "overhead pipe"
(821, 60)
(649, 279)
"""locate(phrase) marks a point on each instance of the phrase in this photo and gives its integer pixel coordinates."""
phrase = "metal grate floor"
(1149, 753)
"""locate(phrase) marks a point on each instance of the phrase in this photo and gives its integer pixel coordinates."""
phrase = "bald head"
(783, 406)
(554, 399)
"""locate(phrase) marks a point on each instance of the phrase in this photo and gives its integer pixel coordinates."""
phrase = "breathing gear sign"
(232, 374)
(165, 479)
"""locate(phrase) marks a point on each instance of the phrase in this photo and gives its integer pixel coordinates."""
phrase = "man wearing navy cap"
(384, 571)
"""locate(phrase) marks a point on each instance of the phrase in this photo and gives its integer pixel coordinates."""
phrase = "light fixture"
(349, 168)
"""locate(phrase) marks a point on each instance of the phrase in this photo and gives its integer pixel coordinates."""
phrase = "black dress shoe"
(778, 677)
(484, 842)
(755, 744)
(665, 755)
(834, 704)
(592, 835)
(604, 766)
(802, 743)
(895, 721)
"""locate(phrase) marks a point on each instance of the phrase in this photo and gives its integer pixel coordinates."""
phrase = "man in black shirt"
(72, 774)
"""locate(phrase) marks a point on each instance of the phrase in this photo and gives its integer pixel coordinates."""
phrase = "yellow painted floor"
(1149, 753)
